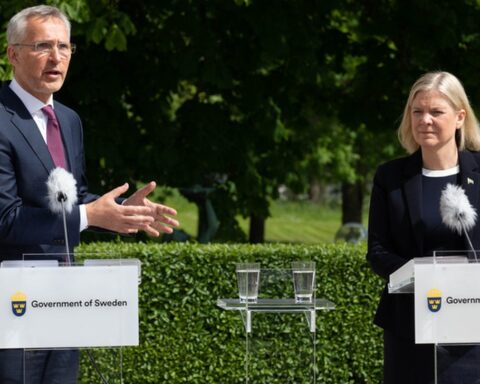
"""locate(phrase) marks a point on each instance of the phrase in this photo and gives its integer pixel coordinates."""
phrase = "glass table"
(271, 345)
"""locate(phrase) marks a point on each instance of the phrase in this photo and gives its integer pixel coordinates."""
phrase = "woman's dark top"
(437, 235)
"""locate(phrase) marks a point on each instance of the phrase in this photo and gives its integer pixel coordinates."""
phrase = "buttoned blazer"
(26, 223)
(396, 229)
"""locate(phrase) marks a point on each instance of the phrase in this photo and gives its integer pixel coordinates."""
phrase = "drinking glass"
(248, 276)
(303, 280)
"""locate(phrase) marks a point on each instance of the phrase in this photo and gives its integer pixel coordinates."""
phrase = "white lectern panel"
(65, 307)
(447, 303)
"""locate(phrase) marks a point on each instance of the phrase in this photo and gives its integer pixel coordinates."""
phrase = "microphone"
(457, 213)
(62, 190)
(62, 196)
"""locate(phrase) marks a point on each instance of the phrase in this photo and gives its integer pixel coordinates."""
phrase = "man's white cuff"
(83, 217)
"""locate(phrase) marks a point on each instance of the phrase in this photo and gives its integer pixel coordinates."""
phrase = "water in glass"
(247, 279)
(303, 283)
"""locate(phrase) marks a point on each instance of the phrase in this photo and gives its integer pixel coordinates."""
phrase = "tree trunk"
(352, 202)
(257, 229)
(317, 191)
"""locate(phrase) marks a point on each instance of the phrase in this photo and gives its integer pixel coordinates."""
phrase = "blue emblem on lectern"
(434, 299)
(19, 303)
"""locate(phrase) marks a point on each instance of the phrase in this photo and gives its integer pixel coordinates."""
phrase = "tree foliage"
(213, 93)
(246, 95)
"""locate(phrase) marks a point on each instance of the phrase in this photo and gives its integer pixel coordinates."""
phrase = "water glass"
(248, 276)
(303, 280)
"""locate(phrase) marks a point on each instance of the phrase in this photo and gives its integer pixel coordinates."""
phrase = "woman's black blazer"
(396, 229)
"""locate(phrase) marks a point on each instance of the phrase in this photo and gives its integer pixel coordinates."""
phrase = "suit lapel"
(23, 121)
(470, 182)
(412, 188)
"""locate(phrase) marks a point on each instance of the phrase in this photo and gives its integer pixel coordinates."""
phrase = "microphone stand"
(61, 199)
(469, 241)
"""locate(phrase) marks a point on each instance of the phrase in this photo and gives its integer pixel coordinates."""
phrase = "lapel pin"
(470, 181)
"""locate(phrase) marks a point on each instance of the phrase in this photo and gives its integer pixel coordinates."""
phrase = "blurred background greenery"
(239, 103)
(290, 221)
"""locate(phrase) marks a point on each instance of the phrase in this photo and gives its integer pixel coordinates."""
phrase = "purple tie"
(54, 138)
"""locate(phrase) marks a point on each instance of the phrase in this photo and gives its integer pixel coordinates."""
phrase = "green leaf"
(116, 39)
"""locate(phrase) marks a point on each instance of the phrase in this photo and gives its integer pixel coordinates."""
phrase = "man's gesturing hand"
(106, 213)
(158, 212)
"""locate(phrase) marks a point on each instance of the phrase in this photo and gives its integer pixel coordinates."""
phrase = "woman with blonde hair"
(440, 132)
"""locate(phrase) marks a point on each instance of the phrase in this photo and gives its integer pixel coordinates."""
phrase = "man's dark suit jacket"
(26, 223)
(396, 229)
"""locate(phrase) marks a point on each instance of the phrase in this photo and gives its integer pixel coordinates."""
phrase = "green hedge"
(186, 338)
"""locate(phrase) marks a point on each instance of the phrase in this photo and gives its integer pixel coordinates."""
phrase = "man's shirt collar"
(32, 104)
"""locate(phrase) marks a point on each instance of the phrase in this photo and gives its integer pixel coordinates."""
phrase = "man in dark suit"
(39, 50)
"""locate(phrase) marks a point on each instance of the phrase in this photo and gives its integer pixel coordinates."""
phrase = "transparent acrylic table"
(278, 306)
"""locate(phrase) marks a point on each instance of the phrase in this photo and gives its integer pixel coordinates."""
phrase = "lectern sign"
(447, 303)
(54, 307)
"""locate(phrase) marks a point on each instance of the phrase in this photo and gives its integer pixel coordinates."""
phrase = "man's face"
(41, 73)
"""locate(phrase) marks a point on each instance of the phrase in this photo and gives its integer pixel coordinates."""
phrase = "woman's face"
(434, 121)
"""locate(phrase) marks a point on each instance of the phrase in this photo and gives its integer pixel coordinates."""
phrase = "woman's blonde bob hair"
(468, 136)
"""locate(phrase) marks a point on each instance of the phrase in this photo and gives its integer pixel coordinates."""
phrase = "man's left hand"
(159, 212)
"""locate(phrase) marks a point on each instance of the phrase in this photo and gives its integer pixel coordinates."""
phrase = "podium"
(273, 325)
(447, 311)
(47, 306)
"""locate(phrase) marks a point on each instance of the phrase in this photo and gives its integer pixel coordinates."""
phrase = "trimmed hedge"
(186, 338)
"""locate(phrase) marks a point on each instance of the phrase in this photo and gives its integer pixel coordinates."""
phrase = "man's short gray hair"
(17, 25)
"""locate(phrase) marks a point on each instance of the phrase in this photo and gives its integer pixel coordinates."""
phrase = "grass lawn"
(291, 222)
